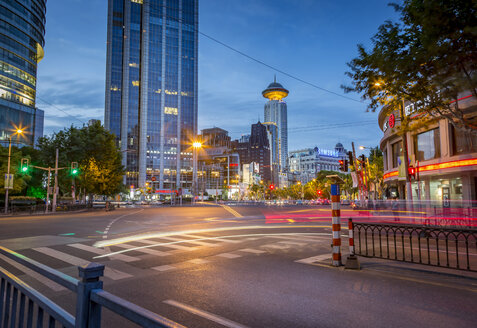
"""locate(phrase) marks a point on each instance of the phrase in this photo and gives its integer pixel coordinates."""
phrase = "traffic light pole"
(7, 188)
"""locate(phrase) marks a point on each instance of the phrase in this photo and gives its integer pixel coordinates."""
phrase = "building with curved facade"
(444, 157)
(22, 39)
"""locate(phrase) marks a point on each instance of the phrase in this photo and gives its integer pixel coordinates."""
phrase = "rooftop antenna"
(274, 78)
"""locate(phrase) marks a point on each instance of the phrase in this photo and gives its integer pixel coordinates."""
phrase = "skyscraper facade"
(151, 88)
(275, 111)
(22, 38)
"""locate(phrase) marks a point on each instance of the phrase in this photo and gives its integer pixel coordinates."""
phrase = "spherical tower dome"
(275, 91)
(339, 145)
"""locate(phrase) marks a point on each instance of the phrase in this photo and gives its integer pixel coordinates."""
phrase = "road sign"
(8, 181)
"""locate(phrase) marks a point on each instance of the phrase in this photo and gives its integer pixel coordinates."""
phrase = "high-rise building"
(22, 38)
(151, 88)
(275, 111)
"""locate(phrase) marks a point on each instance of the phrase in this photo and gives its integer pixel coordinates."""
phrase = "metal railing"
(436, 246)
(21, 305)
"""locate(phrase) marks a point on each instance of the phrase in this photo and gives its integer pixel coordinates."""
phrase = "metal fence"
(437, 246)
(21, 305)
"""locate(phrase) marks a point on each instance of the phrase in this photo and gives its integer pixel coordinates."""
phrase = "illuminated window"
(133, 65)
(135, 83)
(137, 1)
(170, 110)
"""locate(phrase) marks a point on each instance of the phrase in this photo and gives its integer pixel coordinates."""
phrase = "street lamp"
(196, 145)
(7, 187)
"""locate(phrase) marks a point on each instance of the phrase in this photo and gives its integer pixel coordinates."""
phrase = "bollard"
(88, 314)
(336, 224)
(352, 260)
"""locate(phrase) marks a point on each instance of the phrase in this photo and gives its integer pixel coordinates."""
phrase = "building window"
(397, 151)
(427, 145)
(462, 142)
(385, 160)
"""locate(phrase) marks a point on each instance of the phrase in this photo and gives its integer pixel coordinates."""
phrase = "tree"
(20, 179)
(95, 150)
(428, 58)
(376, 170)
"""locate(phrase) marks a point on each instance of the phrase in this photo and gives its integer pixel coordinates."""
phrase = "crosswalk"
(121, 259)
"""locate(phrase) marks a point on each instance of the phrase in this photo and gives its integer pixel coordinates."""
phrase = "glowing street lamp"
(18, 132)
(196, 145)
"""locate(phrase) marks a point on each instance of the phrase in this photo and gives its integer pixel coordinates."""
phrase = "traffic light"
(363, 161)
(412, 172)
(24, 167)
(74, 168)
(350, 157)
(319, 192)
(271, 187)
(342, 165)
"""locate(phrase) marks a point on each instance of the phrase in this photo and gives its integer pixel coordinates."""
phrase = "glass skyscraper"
(151, 88)
(275, 111)
(22, 38)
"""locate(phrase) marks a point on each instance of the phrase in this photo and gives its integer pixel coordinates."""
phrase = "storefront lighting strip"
(440, 166)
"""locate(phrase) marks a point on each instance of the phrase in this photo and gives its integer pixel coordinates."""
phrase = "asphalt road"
(237, 266)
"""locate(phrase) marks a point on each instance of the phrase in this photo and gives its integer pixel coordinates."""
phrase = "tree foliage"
(95, 150)
(428, 58)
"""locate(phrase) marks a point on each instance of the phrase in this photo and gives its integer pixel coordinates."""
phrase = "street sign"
(8, 181)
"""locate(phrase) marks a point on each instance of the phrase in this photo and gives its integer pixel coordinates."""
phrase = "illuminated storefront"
(445, 159)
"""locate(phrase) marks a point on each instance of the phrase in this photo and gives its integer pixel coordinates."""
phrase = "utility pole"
(53, 209)
(48, 190)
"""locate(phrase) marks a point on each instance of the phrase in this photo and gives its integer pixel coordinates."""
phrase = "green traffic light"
(24, 169)
(74, 171)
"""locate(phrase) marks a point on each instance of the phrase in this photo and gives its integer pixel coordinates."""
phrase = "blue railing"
(21, 305)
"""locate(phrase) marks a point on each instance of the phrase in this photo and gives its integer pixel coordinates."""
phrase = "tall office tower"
(276, 112)
(272, 132)
(22, 38)
(151, 88)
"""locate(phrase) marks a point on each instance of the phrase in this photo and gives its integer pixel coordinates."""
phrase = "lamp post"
(302, 190)
(7, 188)
(196, 145)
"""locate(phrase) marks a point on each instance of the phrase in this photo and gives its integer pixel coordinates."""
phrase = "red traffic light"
(341, 162)
(271, 187)
(319, 192)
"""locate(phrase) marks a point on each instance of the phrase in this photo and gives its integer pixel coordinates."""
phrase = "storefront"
(444, 160)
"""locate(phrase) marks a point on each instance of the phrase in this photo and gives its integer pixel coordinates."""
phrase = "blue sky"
(310, 39)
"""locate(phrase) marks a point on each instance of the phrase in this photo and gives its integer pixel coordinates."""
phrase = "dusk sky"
(310, 39)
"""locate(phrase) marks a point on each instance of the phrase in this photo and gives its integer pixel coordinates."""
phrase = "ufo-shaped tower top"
(275, 91)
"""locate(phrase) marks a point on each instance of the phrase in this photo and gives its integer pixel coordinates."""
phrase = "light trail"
(212, 238)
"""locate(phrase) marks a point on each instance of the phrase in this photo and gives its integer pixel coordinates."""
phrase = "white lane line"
(99, 251)
(158, 243)
(250, 250)
(106, 231)
(276, 246)
(191, 241)
(204, 314)
(314, 259)
(163, 268)
(290, 242)
(303, 238)
(108, 272)
(229, 255)
(45, 281)
(198, 261)
(143, 250)
(215, 238)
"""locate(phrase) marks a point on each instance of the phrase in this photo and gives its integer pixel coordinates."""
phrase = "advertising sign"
(8, 181)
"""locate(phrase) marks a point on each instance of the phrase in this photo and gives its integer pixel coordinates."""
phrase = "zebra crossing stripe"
(215, 238)
(108, 272)
(99, 251)
(251, 250)
(169, 245)
(191, 241)
(313, 259)
(45, 281)
(143, 250)
(229, 255)
(163, 268)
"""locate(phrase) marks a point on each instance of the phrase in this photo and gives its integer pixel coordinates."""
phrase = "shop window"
(462, 142)
(427, 145)
(397, 151)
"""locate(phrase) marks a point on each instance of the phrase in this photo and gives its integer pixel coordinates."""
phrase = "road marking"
(231, 211)
(45, 281)
(312, 259)
(105, 236)
(94, 250)
(191, 241)
(250, 250)
(198, 261)
(304, 238)
(229, 255)
(276, 246)
(204, 314)
(163, 268)
(215, 238)
(143, 250)
(175, 246)
(292, 242)
(108, 272)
